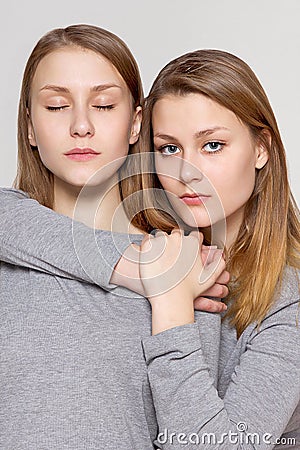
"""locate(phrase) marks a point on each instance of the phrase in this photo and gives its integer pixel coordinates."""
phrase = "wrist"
(169, 312)
(126, 272)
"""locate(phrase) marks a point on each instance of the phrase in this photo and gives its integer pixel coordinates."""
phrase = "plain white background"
(265, 33)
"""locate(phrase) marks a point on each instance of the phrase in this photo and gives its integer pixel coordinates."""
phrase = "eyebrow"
(197, 135)
(97, 88)
(209, 131)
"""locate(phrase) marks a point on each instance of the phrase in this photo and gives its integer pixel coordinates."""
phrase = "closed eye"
(103, 107)
(56, 108)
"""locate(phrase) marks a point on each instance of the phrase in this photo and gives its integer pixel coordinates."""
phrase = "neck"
(233, 224)
(98, 207)
(225, 232)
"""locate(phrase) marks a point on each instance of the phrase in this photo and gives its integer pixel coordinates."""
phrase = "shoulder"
(10, 199)
(288, 291)
(282, 319)
(11, 193)
(280, 329)
(285, 311)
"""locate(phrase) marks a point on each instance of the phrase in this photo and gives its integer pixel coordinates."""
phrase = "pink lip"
(194, 199)
(81, 154)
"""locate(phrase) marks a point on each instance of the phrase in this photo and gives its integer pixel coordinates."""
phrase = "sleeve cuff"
(184, 339)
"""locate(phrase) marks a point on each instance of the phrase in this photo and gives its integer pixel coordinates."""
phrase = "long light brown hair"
(32, 176)
(269, 236)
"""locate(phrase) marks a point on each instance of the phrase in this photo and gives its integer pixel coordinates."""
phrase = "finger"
(177, 230)
(177, 233)
(156, 231)
(146, 245)
(213, 270)
(204, 257)
(146, 239)
(198, 235)
(212, 247)
(209, 305)
(217, 290)
(224, 278)
(160, 233)
(207, 255)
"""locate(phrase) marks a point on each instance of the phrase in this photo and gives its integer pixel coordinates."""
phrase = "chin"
(90, 178)
(195, 219)
(77, 182)
(199, 218)
(199, 223)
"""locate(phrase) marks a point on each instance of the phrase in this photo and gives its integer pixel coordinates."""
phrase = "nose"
(81, 125)
(189, 172)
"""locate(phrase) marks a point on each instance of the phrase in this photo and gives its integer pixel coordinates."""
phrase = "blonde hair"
(269, 237)
(32, 176)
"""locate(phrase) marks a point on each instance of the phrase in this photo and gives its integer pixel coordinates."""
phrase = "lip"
(195, 199)
(81, 154)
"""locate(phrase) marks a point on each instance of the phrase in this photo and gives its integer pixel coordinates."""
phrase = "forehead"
(192, 111)
(73, 65)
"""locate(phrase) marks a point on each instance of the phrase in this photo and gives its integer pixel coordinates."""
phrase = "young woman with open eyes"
(214, 138)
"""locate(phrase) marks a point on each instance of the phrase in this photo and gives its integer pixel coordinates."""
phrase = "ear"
(262, 152)
(136, 125)
(31, 136)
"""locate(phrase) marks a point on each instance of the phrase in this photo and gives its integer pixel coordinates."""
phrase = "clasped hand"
(177, 266)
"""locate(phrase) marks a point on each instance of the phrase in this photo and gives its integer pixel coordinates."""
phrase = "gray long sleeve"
(31, 234)
(257, 401)
(42, 240)
(36, 237)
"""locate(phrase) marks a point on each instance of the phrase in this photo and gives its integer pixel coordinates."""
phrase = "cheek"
(243, 178)
(49, 140)
(49, 159)
(115, 144)
(46, 150)
(118, 127)
(236, 187)
(168, 168)
(168, 183)
(48, 132)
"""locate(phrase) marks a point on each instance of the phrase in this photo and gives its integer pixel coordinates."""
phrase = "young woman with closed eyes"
(72, 369)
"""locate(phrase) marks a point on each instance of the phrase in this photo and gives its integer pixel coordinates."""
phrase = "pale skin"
(80, 101)
(213, 144)
(169, 288)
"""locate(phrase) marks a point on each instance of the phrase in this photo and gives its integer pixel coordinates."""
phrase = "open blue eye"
(213, 147)
(169, 150)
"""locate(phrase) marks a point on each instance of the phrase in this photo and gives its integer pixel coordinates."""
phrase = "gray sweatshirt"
(257, 401)
(73, 375)
(72, 370)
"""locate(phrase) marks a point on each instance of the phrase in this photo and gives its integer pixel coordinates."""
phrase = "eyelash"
(164, 147)
(213, 152)
(103, 108)
(221, 144)
(56, 108)
(98, 107)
